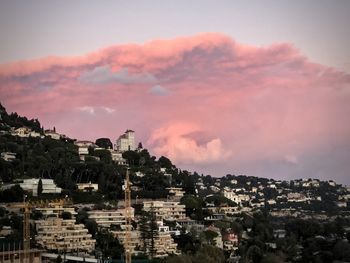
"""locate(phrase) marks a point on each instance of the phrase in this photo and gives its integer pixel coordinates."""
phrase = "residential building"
(53, 134)
(165, 210)
(63, 235)
(86, 187)
(117, 157)
(230, 241)
(49, 187)
(235, 197)
(135, 240)
(8, 156)
(176, 193)
(126, 141)
(164, 244)
(55, 210)
(106, 218)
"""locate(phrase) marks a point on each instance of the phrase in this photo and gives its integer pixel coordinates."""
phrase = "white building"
(165, 210)
(126, 141)
(235, 197)
(49, 187)
(86, 187)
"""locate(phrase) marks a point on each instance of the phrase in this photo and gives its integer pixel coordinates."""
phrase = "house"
(53, 134)
(86, 187)
(83, 148)
(23, 132)
(279, 233)
(8, 156)
(230, 241)
(175, 193)
(217, 240)
(117, 157)
(235, 197)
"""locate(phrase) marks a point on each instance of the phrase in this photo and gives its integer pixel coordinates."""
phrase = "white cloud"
(108, 110)
(87, 109)
(174, 142)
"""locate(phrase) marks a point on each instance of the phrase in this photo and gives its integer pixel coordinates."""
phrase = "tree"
(104, 143)
(165, 162)
(149, 232)
(91, 226)
(40, 187)
(66, 215)
(58, 259)
(254, 254)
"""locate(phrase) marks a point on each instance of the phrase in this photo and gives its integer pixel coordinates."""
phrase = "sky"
(242, 87)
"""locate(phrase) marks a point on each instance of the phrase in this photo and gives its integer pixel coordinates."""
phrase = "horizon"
(255, 89)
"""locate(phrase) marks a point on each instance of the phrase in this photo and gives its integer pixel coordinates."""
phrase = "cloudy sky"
(243, 87)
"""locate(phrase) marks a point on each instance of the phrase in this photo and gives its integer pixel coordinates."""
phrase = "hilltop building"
(126, 141)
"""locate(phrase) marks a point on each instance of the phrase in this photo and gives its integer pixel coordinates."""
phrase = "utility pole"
(127, 240)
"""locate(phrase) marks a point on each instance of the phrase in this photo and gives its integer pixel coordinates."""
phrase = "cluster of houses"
(248, 196)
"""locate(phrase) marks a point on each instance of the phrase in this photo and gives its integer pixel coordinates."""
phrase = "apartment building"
(106, 218)
(164, 244)
(55, 210)
(59, 234)
(165, 210)
(135, 240)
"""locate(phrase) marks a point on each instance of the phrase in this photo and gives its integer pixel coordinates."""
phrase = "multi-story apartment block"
(135, 240)
(63, 235)
(106, 218)
(126, 141)
(164, 244)
(165, 210)
(55, 210)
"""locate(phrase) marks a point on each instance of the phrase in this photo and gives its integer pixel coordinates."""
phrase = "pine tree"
(40, 187)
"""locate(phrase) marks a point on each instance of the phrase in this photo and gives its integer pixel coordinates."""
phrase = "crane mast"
(128, 218)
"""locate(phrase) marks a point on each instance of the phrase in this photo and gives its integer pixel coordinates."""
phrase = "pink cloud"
(206, 101)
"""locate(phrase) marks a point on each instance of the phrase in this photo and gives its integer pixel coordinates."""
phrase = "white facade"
(237, 198)
(49, 187)
(87, 187)
(126, 142)
(165, 210)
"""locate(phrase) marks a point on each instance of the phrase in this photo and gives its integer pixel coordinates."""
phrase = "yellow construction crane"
(27, 208)
(128, 218)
